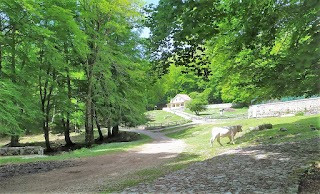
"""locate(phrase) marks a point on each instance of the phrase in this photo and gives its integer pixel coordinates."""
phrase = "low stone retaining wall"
(224, 105)
(311, 106)
(28, 150)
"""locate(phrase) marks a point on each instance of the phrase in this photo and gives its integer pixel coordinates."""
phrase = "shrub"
(196, 106)
(299, 114)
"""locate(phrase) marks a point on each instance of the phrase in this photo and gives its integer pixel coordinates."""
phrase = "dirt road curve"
(89, 175)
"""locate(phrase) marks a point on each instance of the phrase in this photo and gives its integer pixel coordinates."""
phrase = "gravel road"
(256, 169)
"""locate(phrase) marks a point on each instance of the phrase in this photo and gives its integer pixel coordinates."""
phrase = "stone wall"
(224, 105)
(28, 150)
(309, 106)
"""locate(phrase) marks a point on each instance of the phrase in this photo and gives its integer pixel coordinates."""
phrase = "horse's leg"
(218, 139)
(232, 138)
(229, 139)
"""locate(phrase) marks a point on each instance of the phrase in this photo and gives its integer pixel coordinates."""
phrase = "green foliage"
(248, 59)
(198, 102)
(299, 114)
(178, 80)
(196, 105)
(69, 59)
(17, 112)
(251, 50)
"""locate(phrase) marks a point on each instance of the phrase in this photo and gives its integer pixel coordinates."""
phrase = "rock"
(254, 128)
(261, 127)
(312, 127)
(268, 126)
(283, 129)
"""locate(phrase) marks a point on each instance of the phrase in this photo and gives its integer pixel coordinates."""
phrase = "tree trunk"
(89, 138)
(66, 127)
(45, 97)
(89, 124)
(0, 60)
(45, 128)
(1, 50)
(98, 126)
(109, 129)
(14, 140)
(67, 124)
(115, 131)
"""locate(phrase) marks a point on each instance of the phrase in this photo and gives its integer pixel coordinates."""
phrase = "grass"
(198, 137)
(228, 113)
(177, 128)
(160, 116)
(84, 152)
(55, 138)
(198, 147)
(150, 174)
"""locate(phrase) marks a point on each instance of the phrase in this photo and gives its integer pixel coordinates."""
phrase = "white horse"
(230, 132)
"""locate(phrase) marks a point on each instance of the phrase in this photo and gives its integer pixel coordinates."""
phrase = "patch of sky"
(146, 31)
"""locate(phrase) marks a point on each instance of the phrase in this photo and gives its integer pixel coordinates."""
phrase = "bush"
(299, 114)
(196, 106)
(239, 105)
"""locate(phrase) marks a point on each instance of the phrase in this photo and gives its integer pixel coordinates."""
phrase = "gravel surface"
(257, 169)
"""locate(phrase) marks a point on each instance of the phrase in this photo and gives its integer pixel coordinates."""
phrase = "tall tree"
(70, 59)
(16, 75)
(179, 30)
(259, 56)
(104, 22)
(247, 44)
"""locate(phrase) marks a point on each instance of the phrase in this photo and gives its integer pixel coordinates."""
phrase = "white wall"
(225, 105)
(311, 105)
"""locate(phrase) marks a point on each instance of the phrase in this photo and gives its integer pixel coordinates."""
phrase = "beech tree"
(64, 63)
(247, 49)
(106, 24)
(18, 107)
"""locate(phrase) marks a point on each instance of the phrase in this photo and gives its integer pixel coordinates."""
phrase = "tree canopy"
(248, 50)
(82, 63)
(64, 63)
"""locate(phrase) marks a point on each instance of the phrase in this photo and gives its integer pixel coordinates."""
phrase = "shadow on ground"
(298, 130)
(274, 168)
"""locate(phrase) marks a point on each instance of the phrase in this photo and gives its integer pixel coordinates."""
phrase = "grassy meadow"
(197, 137)
(227, 113)
(161, 116)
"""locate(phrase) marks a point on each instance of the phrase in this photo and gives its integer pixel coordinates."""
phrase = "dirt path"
(89, 175)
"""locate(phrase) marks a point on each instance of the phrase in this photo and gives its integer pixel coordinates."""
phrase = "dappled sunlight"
(107, 149)
(170, 146)
(264, 168)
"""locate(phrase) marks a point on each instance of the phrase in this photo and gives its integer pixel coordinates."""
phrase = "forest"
(66, 65)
